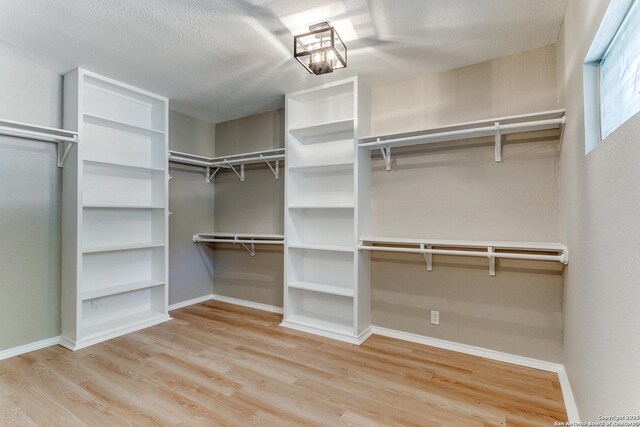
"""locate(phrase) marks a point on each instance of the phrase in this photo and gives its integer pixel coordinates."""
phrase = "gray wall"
(30, 189)
(191, 205)
(461, 193)
(255, 205)
(600, 202)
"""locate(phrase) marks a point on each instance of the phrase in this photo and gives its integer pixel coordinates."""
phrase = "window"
(620, 75)
(612, 72)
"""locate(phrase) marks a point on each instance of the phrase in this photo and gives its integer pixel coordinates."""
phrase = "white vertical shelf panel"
(322, 279)
(115, 198)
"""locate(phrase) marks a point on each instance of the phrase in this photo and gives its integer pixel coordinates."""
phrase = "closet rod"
(558, 258)
(468, 133)
(64, 138)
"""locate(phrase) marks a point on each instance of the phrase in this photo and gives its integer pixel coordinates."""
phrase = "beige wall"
(461, 193)
(600, 201)
(30, 190)
(191, 205)
(255, 205)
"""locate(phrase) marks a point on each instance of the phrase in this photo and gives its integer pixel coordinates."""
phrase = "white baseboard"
(190, 302)
(567, 394)
(228, 300)
(17, 351)
(249, 304)
(469, 349)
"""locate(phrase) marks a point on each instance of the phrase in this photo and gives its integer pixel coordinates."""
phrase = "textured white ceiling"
(223, 59)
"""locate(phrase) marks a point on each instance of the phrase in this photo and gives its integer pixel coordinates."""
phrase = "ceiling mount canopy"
(321, 50)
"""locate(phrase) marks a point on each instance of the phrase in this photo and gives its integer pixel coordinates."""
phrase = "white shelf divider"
(115, 217)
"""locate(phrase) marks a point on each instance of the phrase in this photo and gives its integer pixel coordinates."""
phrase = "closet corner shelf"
(323, 129)
(496, 127)
(65, 139)
(246, 240)
(486, 249)
(231, 162)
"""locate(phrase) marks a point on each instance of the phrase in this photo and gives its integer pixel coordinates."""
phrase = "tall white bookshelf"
(327, 280)
(114, 202)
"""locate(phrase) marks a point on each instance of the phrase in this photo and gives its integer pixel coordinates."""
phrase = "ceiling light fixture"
(321, 50)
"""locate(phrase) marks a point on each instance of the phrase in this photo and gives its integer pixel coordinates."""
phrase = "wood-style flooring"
(219, 364)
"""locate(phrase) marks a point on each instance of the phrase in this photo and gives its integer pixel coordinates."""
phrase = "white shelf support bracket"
(209, 175)
(492, 261)
(64, 149)
(241, 174)
(498, 143)
(386, 155)
(251, 248)
(276, 170)
(428, 258)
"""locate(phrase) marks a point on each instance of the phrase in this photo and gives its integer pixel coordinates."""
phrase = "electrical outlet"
(435, 317)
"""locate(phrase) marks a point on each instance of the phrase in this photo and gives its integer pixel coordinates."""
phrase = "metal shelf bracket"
(276, 170)
(498, 143)
(386, 156)
(492, 261)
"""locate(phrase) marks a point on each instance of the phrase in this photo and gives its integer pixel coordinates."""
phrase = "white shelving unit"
(115, 228)
(496, 128)
(327, 280)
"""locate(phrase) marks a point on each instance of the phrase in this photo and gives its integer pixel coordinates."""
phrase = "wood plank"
(219, 364)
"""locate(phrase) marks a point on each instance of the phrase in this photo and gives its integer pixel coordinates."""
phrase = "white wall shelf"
(327, 284)
(491, 250)
(65, 139)
(246, 240)
(115, 217)
(496, 128)
(235, 162)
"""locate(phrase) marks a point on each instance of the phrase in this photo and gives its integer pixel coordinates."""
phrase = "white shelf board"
(226, 234)
(118, 206)
(322, 288)
(336, 206)
(104, 121)
(120, 289)
(324, 168)
(324, 129)
(127, 247)
(469, 243)
(119, 323)
(329, 248)
(322, 322)
(121, 165)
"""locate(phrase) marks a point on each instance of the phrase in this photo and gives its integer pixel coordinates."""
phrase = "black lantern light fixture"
(321, 50)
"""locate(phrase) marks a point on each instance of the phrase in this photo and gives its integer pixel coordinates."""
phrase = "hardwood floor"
(219, 364)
